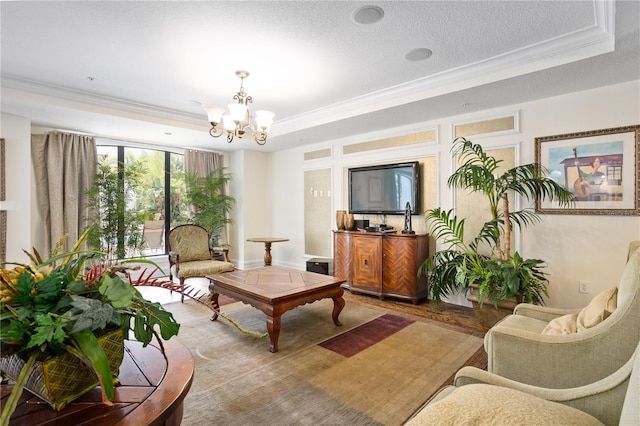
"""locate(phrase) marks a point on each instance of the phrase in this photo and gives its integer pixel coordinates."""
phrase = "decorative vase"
(61, 379)
(340, 218)
(349, 222)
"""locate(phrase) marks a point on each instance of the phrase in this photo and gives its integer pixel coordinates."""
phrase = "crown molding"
(585, 43)
(597, 39)
(70, 98)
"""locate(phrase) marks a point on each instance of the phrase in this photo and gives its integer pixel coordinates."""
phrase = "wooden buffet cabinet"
(382, 264)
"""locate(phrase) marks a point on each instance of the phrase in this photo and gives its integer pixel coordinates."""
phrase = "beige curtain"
(65, 168)
(202, 163)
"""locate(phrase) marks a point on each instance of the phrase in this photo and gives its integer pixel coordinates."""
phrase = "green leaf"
(12, 401)
(48, 330)
(93, 314)
(26, 283)
(150, 314)
(117, 291)
(94, 357)
(77, 287)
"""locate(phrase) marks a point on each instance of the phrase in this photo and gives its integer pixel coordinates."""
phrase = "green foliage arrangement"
(486, 261)
(210, 202)
(116, 228)
(61, 304)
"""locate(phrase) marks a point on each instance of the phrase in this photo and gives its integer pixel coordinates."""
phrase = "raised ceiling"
(143, 71)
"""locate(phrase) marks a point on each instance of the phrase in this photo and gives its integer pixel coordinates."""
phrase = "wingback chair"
(482, 398)
(556, 348)
(190, 255)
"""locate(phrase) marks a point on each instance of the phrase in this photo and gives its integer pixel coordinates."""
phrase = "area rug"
(377, 369)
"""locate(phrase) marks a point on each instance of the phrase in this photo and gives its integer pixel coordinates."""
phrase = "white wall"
(268, 188)
(19, 175)
(250, 186)
(575, 247)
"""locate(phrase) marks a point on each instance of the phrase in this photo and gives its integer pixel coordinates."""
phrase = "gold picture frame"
(3, 213)
(600, 167)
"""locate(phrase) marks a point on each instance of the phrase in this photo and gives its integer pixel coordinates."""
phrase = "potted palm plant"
(211, 205)
(485, 264)
(72, 310)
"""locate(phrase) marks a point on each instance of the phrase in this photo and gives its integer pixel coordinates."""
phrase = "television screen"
(384, 189)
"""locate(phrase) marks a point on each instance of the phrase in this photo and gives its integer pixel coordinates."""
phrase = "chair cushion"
(202, 268)
(593, 314)
(482, 404)
(192, 245)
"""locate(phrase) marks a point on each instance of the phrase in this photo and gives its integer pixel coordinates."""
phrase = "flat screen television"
(385, 189)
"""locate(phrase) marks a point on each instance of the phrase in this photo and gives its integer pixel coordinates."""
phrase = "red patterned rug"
(362, 337)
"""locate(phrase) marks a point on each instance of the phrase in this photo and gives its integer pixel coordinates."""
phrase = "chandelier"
(238, 122)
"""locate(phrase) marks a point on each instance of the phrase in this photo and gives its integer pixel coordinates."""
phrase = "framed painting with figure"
(600, 168)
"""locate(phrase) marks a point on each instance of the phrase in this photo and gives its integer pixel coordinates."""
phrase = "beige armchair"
(190, 255)
(520, 347)
(482, 398)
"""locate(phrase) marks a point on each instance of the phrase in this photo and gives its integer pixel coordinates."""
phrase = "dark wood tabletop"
(274, 290)
(152, 389)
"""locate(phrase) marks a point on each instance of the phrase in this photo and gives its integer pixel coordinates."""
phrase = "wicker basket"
(61, 379)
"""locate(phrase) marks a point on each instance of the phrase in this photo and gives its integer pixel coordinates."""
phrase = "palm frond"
(445, 226)
(489, 234)
(203, 298)
(524, 218)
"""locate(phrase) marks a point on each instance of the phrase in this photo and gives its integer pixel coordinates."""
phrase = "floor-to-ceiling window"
(160, 197)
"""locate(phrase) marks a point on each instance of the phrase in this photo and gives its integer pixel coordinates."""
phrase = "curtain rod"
(133, 143)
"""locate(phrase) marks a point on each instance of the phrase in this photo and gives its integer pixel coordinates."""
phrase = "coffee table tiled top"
(274, 290)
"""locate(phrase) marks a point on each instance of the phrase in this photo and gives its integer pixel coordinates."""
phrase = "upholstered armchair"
(190, 255)
(482, 398)
(556, 348)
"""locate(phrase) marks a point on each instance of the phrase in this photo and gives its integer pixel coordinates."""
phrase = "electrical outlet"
(583, 287)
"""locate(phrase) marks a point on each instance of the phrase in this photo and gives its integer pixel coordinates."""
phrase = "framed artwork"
(3, 213)
(2, 172)
(600, 167)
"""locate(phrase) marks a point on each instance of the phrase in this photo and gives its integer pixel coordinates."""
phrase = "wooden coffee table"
(275, 290)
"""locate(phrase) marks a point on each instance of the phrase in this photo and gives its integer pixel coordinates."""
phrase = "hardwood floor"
(453, 315)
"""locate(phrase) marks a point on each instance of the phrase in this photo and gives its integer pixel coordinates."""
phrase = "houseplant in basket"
(76, 306)
(485, 264)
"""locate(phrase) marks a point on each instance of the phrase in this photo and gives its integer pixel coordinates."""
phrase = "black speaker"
(361, 223)
(320, 265)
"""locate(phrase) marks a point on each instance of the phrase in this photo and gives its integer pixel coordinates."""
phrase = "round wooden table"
(267, 246)
(152, 389)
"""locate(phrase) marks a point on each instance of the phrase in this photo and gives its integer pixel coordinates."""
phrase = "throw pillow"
(593, 314)
(598, 309)
(482, 404)
(566, 324)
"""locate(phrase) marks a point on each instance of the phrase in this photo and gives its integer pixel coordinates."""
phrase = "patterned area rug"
(377, 369)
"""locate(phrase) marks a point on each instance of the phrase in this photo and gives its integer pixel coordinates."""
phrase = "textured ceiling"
(139, 70)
